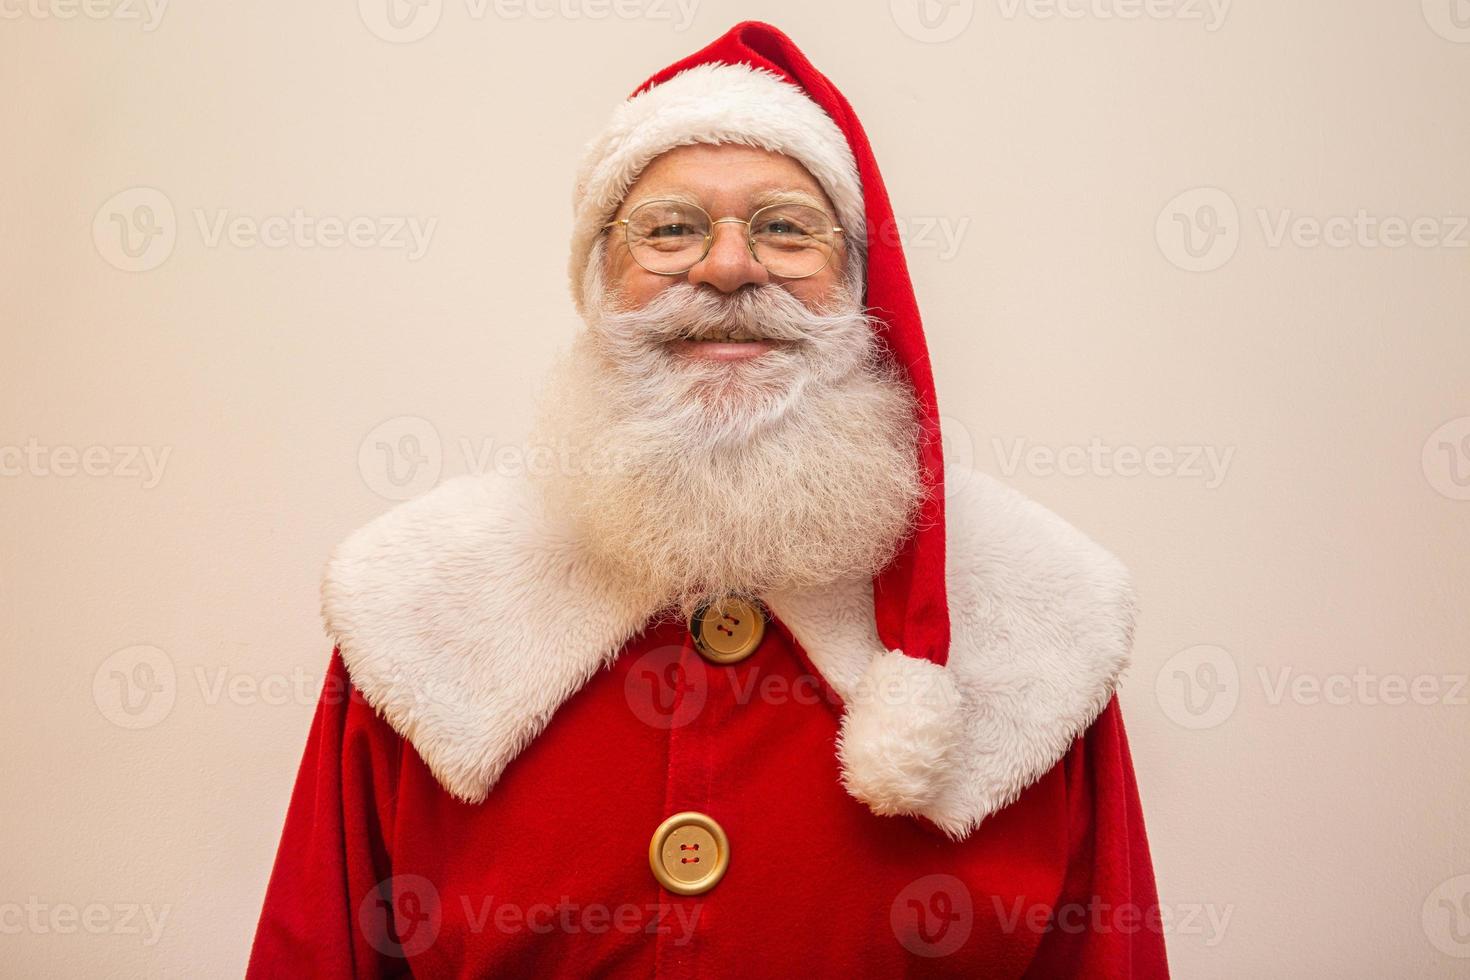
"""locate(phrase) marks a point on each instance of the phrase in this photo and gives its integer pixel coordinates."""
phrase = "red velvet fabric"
(909, 594)
(380, 872)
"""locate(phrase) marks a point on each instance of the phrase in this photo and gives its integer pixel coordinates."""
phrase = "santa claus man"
(747, 683)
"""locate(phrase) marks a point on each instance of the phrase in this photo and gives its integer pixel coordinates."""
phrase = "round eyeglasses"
(668, 238)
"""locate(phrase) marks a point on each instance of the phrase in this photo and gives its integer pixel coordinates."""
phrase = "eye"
(672, 230)
(791, 225)
(780, 226)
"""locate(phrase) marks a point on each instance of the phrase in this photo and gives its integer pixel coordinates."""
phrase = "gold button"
(727, 632)
(689, 853)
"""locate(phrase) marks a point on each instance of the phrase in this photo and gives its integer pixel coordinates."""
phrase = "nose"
(729, 264)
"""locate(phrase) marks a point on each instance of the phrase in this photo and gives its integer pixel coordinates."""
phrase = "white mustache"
(689, 312)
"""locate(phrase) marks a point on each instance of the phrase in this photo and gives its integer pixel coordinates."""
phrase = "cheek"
(633, 285)
(821, 288)
(639, 288)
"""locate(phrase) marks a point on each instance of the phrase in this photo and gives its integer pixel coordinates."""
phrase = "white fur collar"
(467, 617)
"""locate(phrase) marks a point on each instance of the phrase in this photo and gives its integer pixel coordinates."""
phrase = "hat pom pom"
(901, 735)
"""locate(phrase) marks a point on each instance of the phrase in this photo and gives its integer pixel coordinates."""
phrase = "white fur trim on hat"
(713, 103)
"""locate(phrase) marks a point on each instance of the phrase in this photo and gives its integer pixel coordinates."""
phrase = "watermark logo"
(957, 444)
(1210, 13)
(1207, 464)
(400, 21)
(1098, 916)
(665, 689)
(679, 13)
(669, 687)
(138, 687)
(405, 455)
(1199, 230)
(149, 13)
(401, 916)
(1450, 19)
(1198, 687)
(406, 21)
(1201, 686)
(135, 687)
(1361, 687)
(408, 234)
(932, 21)
(222, 684)
(941, 234)
(933, 916)
(1446, 917)
(561, 457)
(96, 919)
(135, 230)
(1446, 459)
(401, 457)
(145, 464)
(567, 917)
(1362, 229)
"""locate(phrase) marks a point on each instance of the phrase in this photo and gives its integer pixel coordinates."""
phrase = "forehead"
(728, 177)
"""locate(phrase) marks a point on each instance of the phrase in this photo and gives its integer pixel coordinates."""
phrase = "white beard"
(697, 479)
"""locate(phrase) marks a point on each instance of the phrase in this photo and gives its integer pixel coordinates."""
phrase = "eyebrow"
(764, 197)
(784, 195)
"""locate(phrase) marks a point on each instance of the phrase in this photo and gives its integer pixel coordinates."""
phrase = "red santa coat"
(502, 731)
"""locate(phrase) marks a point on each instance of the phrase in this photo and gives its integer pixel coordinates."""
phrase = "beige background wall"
(1271, 430)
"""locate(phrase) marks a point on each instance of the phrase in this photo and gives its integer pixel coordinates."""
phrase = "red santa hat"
(754, 86)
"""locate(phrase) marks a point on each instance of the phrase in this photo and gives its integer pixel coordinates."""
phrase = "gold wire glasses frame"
(679, 260)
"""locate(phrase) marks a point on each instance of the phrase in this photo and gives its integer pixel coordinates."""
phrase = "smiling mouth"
(724, 348)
